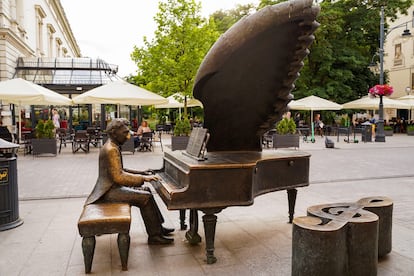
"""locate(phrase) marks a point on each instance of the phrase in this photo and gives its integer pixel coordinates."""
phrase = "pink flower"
(381, 90)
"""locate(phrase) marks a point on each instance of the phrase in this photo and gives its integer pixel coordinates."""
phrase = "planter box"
(410, 132)
(44, 146)
(179, 142)
(286, 141)
(388, 132)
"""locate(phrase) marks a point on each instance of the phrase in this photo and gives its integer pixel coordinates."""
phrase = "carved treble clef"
(342, 238)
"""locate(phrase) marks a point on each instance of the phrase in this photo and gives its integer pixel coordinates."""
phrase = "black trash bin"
(366, 133)
(9, 202)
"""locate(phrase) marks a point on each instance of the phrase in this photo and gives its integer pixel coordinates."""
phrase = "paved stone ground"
(253, 240)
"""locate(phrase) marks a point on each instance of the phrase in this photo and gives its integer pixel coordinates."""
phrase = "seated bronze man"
(118, 184)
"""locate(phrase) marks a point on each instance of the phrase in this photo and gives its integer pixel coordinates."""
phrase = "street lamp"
(380, 135)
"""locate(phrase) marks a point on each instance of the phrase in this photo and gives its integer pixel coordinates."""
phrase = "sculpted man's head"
(118, 131)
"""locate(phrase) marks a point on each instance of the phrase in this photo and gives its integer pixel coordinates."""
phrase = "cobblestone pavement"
(249, 240)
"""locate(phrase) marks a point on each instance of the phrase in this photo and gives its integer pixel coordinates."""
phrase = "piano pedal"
(192, 237)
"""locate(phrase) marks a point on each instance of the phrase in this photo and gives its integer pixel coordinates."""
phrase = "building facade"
(38, 45)
(399, 54)
(32, 29)
(399, 59)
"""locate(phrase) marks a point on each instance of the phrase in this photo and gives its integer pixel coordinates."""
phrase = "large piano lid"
(228, 160)
(244, 81)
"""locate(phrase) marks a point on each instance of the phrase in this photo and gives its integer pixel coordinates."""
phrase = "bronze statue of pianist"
(118, 184)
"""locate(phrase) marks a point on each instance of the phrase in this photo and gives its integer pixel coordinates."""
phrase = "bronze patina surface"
(245, 79)
(105, 218)
(244, 84)
(117, 184)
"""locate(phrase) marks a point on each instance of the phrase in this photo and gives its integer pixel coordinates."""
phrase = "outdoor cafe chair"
(145, 143)
(64, 137)
(27, 142)
(156, 138)
(95, 136)
(80, 141)
(267, 139)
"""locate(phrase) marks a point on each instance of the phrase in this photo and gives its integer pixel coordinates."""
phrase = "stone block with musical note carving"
(342, 238)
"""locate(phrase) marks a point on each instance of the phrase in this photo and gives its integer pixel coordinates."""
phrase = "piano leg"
(192, 235)
(183, 226)
(210, 220)
(292, 201)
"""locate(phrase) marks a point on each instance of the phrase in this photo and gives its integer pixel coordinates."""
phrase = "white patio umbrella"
(409, 99)
(295, 106)
(313, 103)
(19, 91)
(372, 103)
(119, 92)
(177, 101)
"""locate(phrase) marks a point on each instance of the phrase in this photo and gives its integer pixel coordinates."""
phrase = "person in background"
(318, 125)
(142, 129)
(297, 119)
(56, 118)
(373, 126)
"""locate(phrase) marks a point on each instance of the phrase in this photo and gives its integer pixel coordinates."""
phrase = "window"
(398, 54)
(50, 33)
(412, 20)
(412, 82)
(40, 15)
(58, 47)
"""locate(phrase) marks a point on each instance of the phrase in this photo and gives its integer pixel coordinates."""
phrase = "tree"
(346, 41)
(168, 63)
(224, 19)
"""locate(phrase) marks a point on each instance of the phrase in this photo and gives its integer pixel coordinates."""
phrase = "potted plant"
(388, 130)
(410, 130)
(286, 135)
(45, 142)
(181, 134)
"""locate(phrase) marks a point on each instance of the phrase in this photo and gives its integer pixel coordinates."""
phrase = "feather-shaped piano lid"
(245, 80)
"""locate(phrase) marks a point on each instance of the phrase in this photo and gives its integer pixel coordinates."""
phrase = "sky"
(109, 30)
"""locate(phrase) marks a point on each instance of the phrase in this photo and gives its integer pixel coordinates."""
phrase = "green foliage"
(343, 121)
(162, 119)
(286, 126)
(336, 68)
(264, 3)
(225, 19)
(182, 127)
(169, 63)
(388, 128)
(329, 117)
(347, 39)
(410, 128)
(44, 129)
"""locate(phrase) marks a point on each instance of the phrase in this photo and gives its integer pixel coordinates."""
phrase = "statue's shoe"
(157, 240)
(166, 231)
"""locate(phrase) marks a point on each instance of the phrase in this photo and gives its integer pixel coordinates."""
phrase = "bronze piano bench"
(105, 218)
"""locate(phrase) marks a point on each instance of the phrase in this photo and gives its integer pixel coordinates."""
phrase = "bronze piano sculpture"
(244, 84)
